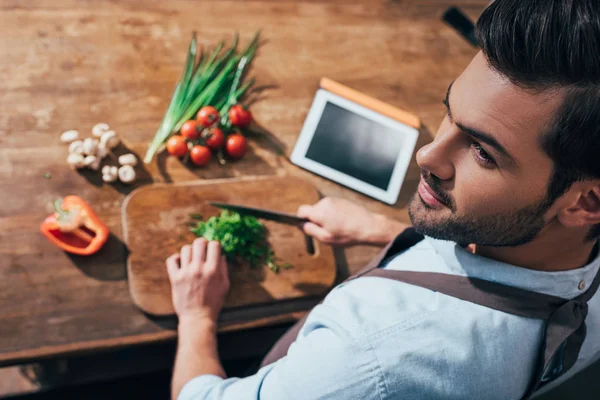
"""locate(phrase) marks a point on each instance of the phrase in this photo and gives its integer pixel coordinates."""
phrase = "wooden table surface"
(69, 64)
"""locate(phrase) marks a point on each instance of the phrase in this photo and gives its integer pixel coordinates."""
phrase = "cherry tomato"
(189, 129)
(236, 145)
(215, 138)
(239, 116)
(177, 146)
(200, 155)
(208, 116)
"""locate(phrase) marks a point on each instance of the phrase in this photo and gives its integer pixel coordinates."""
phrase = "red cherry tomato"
(236, 145)
(239, 116)
(177, 146)
(189, 129)
(215, 138)
(200, 155)
(208, 116)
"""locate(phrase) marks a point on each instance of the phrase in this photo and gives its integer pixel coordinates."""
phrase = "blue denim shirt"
(378, 339)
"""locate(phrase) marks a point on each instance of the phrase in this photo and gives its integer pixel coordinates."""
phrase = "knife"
(276, 216)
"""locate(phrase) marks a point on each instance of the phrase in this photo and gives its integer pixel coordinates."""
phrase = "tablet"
(355, 146)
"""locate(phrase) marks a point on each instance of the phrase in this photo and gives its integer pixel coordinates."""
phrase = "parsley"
(242, 238)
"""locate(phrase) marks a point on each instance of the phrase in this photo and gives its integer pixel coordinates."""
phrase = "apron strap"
(493, 295)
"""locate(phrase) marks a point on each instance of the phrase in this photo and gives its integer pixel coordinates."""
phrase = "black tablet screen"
(355, 145)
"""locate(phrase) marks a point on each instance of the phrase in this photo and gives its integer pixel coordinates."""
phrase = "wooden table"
(69, 64)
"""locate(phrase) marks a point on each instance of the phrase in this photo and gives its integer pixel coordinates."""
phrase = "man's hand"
(199, 281)
(341, 222)
(199, 284)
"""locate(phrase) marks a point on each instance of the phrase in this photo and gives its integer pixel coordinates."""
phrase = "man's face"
(485, 176)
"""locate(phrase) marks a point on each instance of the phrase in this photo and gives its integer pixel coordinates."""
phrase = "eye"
(482, 155)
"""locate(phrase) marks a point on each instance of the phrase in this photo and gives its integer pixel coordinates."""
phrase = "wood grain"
(155, 226)
(68, 64)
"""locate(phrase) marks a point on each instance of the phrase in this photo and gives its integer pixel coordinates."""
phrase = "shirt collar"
(565, 284)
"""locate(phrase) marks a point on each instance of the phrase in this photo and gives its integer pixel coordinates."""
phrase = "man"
(510, 193)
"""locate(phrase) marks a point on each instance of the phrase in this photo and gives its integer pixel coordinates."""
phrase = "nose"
(435, 157)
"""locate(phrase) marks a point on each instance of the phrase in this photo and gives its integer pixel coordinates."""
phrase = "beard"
(503, 229)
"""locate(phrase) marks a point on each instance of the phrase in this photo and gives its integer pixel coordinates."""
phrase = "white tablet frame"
(389, 196)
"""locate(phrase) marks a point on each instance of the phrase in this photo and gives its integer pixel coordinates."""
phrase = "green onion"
(213, 80)
(175, 106)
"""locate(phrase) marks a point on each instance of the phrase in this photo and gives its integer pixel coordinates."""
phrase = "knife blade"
(272, 215)
(276, 216)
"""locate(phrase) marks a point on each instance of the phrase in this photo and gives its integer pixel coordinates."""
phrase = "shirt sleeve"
(326, 361)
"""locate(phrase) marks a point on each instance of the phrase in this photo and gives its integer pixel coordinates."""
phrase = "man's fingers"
(213, 254)
(173, 264)
(305, 211)
(199, 251)
(186, 255)
(318, 232)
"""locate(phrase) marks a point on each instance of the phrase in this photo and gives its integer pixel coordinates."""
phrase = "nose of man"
(435, 158)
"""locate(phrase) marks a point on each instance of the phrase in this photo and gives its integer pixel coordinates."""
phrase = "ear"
(585, 211)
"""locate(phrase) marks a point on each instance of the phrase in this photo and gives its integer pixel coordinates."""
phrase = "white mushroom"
(75, 160)
(128, 159)
(110, 169)
(110, 140)
(99, 129)
(76, 147)
(101, 151)
(126, 174)
(109, 173)
(69, 136)
(90, 146)
(92, 162)
(109, 178)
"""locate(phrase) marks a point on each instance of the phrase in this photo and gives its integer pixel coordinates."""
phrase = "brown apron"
(565, 319)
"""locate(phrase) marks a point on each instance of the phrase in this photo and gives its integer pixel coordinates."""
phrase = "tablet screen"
(355, 146)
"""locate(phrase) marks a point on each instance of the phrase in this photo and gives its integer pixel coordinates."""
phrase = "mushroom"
(110, 169)
(128, 159)
(126, 174)
(90, 146)
(109, 173)
(75, 160)
(76, 147)
(110, 140)
(99, 129)
(101, 151)
(92, 162)
(69, 136)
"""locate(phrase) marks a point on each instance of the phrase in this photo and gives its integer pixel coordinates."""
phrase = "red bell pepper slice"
(75, 227)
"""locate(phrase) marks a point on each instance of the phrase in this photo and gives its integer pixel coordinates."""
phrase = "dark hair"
(553, 45)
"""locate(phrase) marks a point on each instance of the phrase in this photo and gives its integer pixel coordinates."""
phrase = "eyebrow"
(481, 136)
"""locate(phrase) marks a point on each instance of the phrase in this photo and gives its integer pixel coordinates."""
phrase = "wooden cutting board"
(155, 226)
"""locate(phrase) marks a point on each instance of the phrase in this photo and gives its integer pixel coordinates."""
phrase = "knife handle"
(310, 245)
(454, 17)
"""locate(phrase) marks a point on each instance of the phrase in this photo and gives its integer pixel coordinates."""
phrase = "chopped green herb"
(48, 175)
(242, 238)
